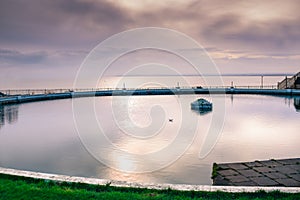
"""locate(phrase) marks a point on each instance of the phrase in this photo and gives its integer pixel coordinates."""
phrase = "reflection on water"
(41, 136)
(297, 104)
(201, 112)
(8, 114)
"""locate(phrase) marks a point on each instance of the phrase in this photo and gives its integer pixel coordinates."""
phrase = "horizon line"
(226, 74)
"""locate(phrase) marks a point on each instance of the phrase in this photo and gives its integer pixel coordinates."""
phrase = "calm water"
(42, 136)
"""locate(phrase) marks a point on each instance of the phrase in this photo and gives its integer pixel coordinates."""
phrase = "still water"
(44, 137)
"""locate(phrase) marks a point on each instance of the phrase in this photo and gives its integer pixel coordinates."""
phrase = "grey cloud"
(250, 55)
(61, 32)
(99, 11)
(245, 52)
(274, 34)
(59, 23)
(70, 53)
(223, 24)
(17, 57)
(76, 23)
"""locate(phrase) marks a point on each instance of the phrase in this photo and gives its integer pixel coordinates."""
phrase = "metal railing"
(14, 92)
(288, 82)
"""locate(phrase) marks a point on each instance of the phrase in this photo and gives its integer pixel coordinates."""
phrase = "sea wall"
(42, 97)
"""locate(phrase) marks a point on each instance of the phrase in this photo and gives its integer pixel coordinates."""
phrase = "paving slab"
(253, 164)
(288, 182)
(224, 166)
(264, 181)
(276, 173)
(221, 180)
(246, 183)
(290, 161)
(238, 166)
(286, 170)
(296, 167)
(228, 172)
(237, 179)
(249, 173)
(264, 169)
(295, 176)
(270, 163)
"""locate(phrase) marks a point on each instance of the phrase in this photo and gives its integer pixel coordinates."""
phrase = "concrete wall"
(43, 97)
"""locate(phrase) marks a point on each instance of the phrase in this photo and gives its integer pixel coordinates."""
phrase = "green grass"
(14, 187)
(214, 171)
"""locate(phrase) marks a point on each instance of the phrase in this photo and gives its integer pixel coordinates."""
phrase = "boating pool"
(45, 137)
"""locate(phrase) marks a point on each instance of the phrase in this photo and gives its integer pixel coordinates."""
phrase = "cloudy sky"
(43, 42)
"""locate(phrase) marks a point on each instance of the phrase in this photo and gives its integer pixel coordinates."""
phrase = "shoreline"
(163, 186)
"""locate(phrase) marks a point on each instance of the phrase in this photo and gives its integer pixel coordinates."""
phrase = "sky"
(44, 42)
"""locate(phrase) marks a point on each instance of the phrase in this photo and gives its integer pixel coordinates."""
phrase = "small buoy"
(170, 120)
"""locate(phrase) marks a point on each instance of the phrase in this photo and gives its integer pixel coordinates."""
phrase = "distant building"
(290, 83)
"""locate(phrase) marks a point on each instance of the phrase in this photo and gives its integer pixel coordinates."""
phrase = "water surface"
(42, 136)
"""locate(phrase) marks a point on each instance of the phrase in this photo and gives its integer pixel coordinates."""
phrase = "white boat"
(202, 105)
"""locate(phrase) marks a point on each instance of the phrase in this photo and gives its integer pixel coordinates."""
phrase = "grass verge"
(214, 171)
(16, 187)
